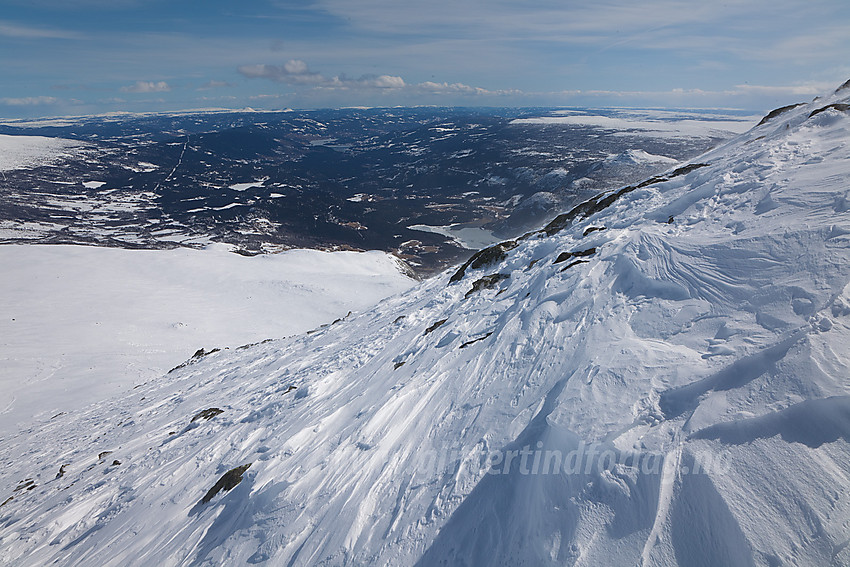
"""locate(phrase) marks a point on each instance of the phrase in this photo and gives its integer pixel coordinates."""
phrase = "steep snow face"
(658, 379)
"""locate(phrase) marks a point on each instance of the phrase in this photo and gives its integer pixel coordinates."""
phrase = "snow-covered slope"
(82, 324)
(658, 378)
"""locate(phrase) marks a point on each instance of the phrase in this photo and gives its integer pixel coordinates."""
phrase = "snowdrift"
(660, 377)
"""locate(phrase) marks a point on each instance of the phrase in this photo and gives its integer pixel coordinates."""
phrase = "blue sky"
(72, 57)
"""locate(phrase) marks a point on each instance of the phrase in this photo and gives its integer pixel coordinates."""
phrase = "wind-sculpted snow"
(678, 398)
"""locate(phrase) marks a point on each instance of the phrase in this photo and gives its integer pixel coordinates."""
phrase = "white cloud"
(296, 67)
(147, 87)
(29, 101)
(387, 82)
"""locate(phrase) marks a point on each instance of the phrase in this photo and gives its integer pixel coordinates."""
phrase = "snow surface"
(707, 328)
(651, 122)
(638, 157)
(80, 324)
(248, 185)
(18, 152)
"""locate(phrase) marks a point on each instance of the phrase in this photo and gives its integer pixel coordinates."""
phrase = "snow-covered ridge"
(684, 339)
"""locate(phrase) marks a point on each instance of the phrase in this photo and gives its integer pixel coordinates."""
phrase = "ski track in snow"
(709, 319)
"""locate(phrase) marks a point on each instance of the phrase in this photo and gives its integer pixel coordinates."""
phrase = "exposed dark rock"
(61, 472)
(398, 365)
(602, 201)
(27, 484)
(686, 169)
(341, 319)
(591, 229)
(291, 387)
(840, 106)
(249, 253)
(207, 414)
(435, 326)
(9, 499)
(398, 319)
(485, 257)
(652, 181)
(776, 112)
(574, 263)
(486, 282)
(199, 354)
(103, 454)
(498, 252)
(228, 481)
(564, 256)
(585, 209)
(473, 341)
(671, 220)
(846, 85)
(249, 345)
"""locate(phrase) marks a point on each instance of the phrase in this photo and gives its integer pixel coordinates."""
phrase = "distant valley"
(429, 185)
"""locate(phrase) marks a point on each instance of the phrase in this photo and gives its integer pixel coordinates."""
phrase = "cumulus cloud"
(29, 101)
(147, 87)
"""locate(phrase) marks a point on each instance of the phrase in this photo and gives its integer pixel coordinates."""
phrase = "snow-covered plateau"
(658, 377)
(83, 324)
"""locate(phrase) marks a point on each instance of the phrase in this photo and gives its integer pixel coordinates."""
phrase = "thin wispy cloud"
(20, 31)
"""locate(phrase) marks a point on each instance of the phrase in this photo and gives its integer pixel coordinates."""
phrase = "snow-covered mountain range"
(657, 377)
